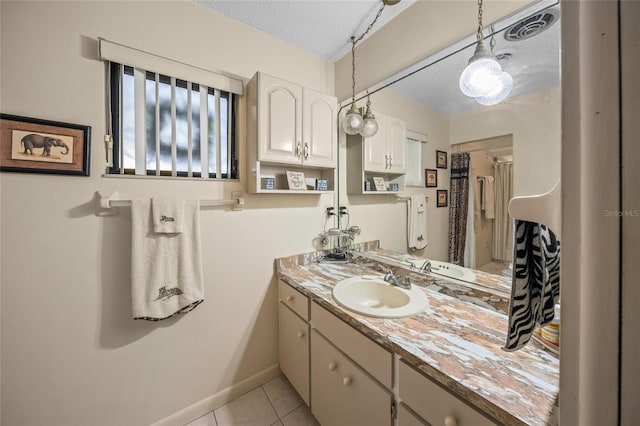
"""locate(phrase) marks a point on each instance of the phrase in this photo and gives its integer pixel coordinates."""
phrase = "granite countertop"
(456, 341)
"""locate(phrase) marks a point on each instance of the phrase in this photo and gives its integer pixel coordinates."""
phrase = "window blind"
(115, 52)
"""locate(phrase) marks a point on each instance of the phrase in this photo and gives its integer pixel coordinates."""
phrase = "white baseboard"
(220, 398)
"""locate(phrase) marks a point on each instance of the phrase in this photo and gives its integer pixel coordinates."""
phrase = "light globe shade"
(369, 127)
(352, 122)
(480, 77)
(499, 93)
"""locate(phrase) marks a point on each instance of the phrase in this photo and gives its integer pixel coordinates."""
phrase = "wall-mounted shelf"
(260, 170)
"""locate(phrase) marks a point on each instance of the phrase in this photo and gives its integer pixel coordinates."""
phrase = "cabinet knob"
(301, 334)
(306, 151)
(332, 366)
(450, 421)
(289, 298)
(347, 381)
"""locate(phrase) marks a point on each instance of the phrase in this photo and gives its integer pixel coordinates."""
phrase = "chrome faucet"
(426, 266)
(402, 282)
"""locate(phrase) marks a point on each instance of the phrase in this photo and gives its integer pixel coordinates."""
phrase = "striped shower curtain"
(458, 206)
(502, 247)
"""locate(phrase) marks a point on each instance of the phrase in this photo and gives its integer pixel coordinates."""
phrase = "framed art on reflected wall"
(32, 145)
(442, 196)
(441, 159)
(431, 178)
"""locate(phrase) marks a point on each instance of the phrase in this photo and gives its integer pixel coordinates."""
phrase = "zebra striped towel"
(536, 282)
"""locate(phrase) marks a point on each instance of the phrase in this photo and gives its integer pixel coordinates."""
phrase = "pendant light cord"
(479, 35)
(355, 41)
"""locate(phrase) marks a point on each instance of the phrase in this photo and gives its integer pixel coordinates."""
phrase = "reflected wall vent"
(532, 25)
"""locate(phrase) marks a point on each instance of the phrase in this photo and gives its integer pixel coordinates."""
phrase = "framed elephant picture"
(32, 145)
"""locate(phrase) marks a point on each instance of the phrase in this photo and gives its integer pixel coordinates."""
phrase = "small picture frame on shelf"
(378, 182)
(441, 159)
(442, 198)
(431, 178)
(296, 181)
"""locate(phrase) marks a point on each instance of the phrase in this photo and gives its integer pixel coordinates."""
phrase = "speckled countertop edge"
(304, 273)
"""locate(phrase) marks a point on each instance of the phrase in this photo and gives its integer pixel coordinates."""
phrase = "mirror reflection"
(511, 148)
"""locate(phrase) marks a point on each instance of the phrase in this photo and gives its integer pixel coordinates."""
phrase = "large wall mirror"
(515, 144)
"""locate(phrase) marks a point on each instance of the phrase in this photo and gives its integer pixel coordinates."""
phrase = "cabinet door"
(396, 145)
(343, 394)
(293, 346)
(319, 129)
(280, 120)
(376, 157)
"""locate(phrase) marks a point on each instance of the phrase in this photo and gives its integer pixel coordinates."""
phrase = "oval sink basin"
(376, 298)
(452, 271)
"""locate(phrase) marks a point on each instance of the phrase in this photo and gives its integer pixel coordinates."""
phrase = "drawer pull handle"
(450, 421)
(347, 381)
(301, 334)
(332, 366)
(289, 298)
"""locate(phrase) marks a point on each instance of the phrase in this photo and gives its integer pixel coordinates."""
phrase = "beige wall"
(534, 121)
(71, 354)
(378, 215)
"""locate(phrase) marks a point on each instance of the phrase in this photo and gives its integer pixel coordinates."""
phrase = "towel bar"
(110, 200)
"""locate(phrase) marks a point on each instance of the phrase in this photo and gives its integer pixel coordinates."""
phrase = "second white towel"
(417, 222)
(166, 268)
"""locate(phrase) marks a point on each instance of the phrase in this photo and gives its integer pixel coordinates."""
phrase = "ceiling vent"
(531, 26)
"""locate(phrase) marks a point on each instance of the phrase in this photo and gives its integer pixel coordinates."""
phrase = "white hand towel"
(166, 269)
(167, 215)
(488, 201)
(417, 222)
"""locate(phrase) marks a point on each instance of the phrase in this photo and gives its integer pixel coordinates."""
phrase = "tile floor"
(275, 403)
(495, 267)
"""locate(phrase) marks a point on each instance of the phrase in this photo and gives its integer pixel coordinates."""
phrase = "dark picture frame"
(441, 159)
(442, 198)
(33, 145)
(431, 178)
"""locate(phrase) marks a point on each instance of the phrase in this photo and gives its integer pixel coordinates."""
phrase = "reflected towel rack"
(110, 200)
(399, 198)
(544, 208)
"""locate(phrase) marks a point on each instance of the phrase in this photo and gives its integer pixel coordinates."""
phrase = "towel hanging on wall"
(536, 282)
(417, 222)
(166, 268)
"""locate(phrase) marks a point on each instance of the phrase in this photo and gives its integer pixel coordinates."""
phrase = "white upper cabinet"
(295, 125)
(385, 151)
(319, 129)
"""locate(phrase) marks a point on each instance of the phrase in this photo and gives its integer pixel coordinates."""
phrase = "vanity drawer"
(342, 394)
(406, 417)
(297, 301)
(433, 403)
(376, 360)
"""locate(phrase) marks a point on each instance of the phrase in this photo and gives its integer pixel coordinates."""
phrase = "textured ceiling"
(322, 27)
(534, 65)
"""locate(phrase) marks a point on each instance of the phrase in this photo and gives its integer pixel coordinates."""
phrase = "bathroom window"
(165, 126)
(415, 170)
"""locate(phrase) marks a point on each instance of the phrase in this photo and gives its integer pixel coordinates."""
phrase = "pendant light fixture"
(484, 78)
(353, 122)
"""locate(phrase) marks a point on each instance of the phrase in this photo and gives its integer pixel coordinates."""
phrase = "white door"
(396, 145)
(293, 345)
(280, 120)
(376, 157)
(319, 129)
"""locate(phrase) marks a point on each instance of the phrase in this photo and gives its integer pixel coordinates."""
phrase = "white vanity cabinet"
(289, 126)
(293, 338)
(432, 404)
(350, 374)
